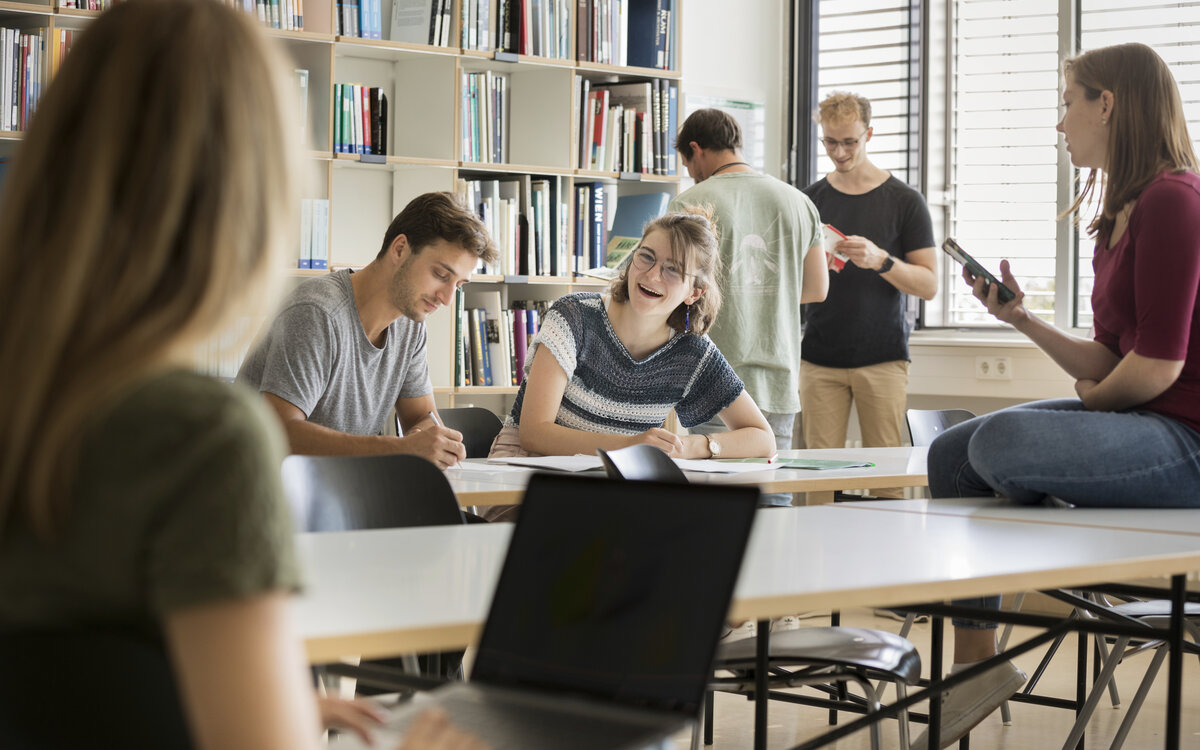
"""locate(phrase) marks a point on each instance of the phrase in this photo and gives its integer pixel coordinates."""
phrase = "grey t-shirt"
(317, 357)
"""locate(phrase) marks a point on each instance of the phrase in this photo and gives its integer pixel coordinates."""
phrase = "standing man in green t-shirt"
(773, 260)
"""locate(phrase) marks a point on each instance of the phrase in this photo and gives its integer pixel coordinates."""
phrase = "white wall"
(738, 50)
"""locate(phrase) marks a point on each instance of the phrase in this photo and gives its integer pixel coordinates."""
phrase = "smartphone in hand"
(976, 269)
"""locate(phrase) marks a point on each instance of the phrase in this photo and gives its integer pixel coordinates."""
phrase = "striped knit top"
(609, 391)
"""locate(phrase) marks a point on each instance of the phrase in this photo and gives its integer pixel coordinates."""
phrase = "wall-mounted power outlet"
(993, 368)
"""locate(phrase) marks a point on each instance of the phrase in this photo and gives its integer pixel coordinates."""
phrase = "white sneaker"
(789, 622)
(970, 703)
(747, 629)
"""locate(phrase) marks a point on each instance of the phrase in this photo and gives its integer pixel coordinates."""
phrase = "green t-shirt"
(766, 228)
(177, 501)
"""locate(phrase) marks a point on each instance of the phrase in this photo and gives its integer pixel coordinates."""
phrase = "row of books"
(625, 32)
(485, 103)
(23, 68)
(359, 18)
(360, 124)
(314, 233)
(421, 21)
(277, 14)
(528, 219)
(491, 342)
(86, 4)
(534, 27)
(592, 204)
(627, 127)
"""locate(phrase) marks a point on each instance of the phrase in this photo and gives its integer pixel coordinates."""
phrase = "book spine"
(306, 233)
(320, 246)
(364, 112)
(458, 338)
(672, 127)
(597, 230)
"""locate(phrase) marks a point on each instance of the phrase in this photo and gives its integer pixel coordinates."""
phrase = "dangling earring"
(1103, 120)
(687, 318)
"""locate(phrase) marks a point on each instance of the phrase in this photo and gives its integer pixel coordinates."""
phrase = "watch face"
(714, 447)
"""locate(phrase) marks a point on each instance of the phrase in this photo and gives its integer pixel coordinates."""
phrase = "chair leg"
(708, 717)
(1098, 688)
(699, 723)
(1104, 655)
(902, 718)
(1018, 600)
(1143, 690)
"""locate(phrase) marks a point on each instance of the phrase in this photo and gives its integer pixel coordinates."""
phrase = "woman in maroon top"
(1132, 438)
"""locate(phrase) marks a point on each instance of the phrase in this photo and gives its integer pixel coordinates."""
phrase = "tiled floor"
(1033, 727)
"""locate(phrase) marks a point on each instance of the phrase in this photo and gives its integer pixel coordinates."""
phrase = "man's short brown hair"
(843, 106)
(710, 129)
(440, 216)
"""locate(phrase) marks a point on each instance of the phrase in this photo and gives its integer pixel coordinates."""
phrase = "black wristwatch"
(887, 264)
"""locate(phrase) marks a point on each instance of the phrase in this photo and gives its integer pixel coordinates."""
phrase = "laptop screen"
(616, 590)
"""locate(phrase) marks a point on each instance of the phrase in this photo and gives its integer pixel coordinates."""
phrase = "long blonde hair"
(1147, 132)
(154, 192)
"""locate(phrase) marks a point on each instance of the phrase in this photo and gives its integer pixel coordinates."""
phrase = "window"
(1007, 177)
(870, 47)
(1173, 30)
(1003, 154)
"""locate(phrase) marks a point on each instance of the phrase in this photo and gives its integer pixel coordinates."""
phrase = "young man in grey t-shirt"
(347, 347)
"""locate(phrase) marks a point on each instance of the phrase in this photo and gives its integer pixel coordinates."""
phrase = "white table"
(478, 483)
(382, 593)
(1164, 520)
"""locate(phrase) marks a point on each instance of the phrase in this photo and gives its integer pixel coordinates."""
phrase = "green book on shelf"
(815, 464)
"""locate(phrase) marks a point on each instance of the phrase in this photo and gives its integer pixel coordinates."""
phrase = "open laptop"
(606, 617)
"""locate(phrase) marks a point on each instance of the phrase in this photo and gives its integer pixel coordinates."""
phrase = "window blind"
(868, 47)
(1003, 148)
(1173, 30)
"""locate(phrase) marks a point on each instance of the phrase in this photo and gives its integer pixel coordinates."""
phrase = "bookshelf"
(425, 144)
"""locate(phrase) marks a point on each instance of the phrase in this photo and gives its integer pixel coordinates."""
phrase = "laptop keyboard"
(511, 721)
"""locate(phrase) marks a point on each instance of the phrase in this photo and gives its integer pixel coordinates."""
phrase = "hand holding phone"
(974, 268)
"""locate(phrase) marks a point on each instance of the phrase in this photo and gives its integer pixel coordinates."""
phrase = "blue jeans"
(1130, 459)
(781, 425)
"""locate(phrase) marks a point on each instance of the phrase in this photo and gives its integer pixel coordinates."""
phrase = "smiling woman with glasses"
(605, 370)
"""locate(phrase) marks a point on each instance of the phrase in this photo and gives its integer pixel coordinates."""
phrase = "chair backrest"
(477, 425)
(82, 688)
(347, 493)
(643, 463)
(926, 424)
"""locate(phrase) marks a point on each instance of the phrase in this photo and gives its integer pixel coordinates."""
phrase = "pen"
(433, 415)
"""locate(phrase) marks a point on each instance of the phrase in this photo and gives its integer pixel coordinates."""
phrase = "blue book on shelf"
(643, 29)
(635, 211)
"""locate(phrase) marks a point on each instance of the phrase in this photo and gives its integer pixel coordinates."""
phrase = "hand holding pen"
(439, 444)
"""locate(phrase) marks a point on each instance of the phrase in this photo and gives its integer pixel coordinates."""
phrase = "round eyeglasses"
(849, 144)
(644, 260)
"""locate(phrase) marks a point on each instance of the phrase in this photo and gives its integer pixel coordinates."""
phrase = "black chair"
(926, 424)
(353, 493)
(477, 425)
(643, 463)
(820, 656)
(348, 493)
(80, 688)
